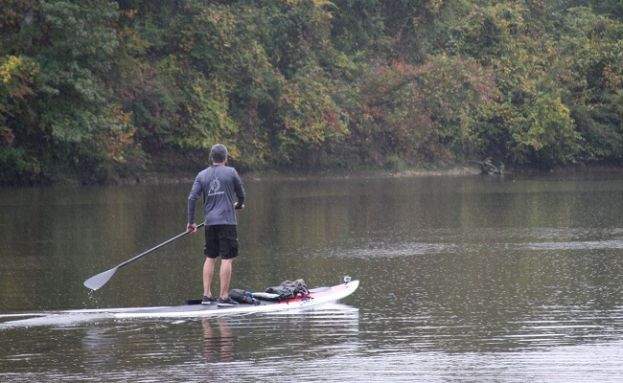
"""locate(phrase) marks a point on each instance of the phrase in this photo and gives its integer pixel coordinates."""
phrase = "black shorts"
(221, 240)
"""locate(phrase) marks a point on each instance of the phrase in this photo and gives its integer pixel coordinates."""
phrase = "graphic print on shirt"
(215, 187)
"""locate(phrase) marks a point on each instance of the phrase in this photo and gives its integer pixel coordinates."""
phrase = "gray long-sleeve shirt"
(218, 183)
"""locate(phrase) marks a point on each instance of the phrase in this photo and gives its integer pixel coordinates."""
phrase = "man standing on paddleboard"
(218, 184)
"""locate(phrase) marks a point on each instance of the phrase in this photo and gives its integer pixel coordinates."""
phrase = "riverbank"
(155, 177)
(433, 171)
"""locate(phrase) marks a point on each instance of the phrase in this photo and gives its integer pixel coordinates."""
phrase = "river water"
(469, 279)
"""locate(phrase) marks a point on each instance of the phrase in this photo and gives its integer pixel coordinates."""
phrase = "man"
(218, 184)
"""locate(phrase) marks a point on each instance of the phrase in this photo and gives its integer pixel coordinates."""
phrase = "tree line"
(97, 90)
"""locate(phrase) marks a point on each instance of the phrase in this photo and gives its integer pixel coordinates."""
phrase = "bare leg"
(225, 276)
(208, 271)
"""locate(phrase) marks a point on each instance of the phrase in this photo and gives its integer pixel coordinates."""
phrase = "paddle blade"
(99, 280)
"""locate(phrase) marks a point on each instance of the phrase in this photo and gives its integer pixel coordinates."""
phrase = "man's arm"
(239, 190)
(195, 191)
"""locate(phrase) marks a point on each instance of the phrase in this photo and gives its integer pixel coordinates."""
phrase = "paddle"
(99, 280)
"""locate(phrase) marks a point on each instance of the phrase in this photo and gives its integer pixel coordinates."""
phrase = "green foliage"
(546, 135)
(56, 103)
(310, 117)
(209, 120)
(423, 113)
(16, 77)
(16, 167)
(594, 44)
(101, 88)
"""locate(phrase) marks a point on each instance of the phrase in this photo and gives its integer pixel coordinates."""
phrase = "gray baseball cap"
(218, 153)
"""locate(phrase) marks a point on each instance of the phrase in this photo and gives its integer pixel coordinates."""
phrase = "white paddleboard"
(317, 296)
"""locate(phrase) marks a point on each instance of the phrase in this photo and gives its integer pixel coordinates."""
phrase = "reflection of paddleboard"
(316, 297)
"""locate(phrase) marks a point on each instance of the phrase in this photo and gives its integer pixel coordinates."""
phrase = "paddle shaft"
(144, 253)
(99, 280)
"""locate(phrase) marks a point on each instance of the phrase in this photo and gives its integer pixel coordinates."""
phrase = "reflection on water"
(462, 279)
(218, 341)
